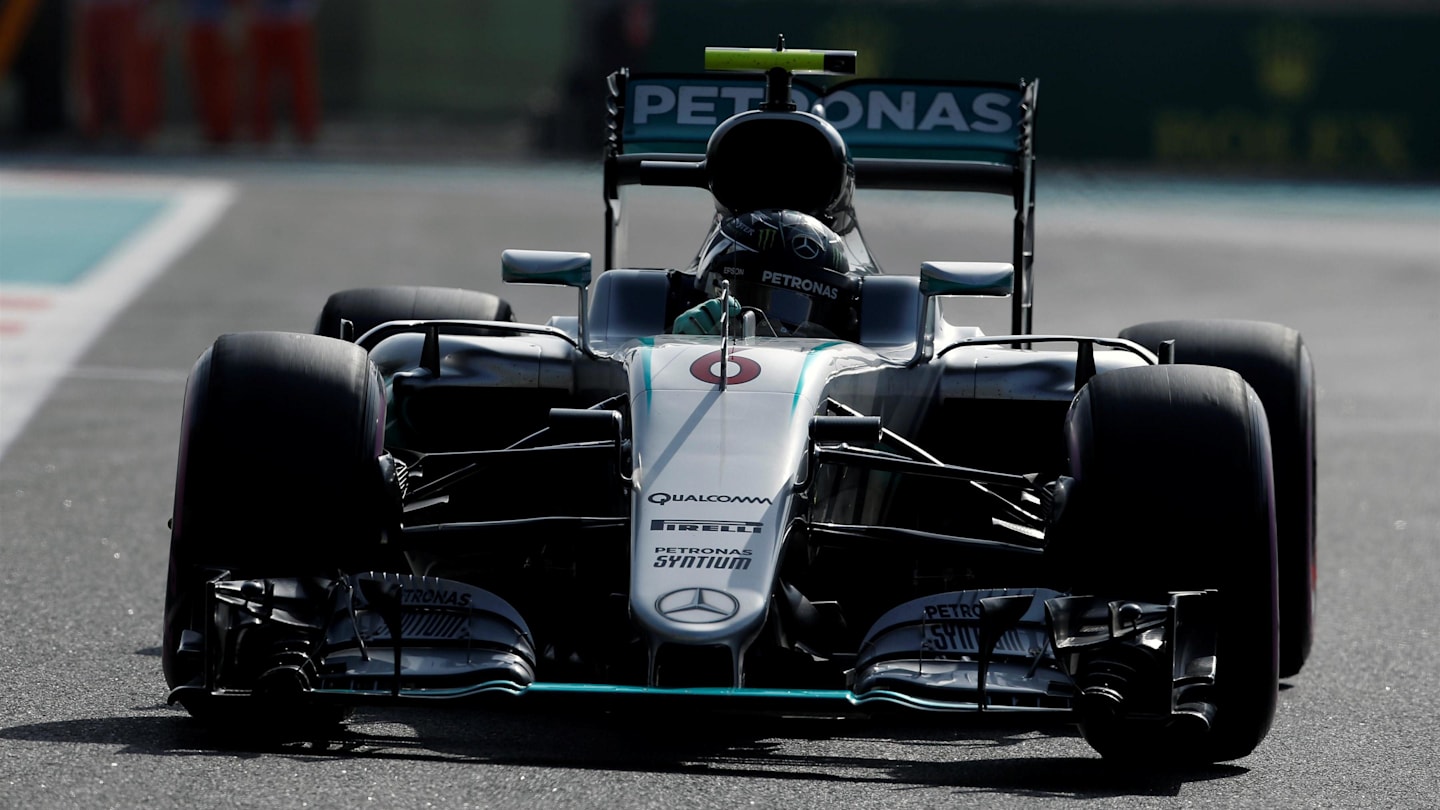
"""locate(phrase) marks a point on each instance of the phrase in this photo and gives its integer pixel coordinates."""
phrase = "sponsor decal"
(805, 246)
(867, 114)
(728, 526)
(905, 111)
(958, 636)
(878, 109)
(963, 610)
(692, 104)
(416, 596)
(662, 498)
(797, 283)
(697, 606)
(725, 559)
(714, 562)
(947, 636)
(417, 625)
(766, 239)
(737, 368)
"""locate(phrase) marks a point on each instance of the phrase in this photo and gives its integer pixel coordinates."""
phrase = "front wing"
(379, 638)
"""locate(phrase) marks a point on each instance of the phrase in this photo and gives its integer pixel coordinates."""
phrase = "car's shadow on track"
(986, 759)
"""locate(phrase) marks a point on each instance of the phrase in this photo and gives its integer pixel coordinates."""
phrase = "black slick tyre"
(1173, 492)
(368, 307)
(1273, 359)
(278, 475)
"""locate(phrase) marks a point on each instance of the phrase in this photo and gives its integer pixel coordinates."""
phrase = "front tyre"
(1273, 359)
(1173, 492)
(368, 307)
(278, 475)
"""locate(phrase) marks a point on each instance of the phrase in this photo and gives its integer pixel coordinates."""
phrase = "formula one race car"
(775, 478)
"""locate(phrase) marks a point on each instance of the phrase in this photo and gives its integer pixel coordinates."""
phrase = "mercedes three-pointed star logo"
(697, 606)
(805, 246)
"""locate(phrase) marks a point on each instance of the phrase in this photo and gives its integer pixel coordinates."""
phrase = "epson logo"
(796, 283)
(702, 105)
(730, 526)
(662, 498)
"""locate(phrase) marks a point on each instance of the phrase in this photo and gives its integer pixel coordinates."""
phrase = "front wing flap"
(366, 635)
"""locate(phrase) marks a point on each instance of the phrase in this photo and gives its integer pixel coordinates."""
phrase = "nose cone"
(697, 606)
(710, 613)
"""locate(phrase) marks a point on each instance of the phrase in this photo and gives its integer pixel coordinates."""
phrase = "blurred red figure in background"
(118, 65)
(282, 47)
(212, 68)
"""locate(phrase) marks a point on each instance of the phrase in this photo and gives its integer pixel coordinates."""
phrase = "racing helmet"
(789, 266)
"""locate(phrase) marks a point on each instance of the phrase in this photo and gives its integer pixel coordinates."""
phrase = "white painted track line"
(49, 327)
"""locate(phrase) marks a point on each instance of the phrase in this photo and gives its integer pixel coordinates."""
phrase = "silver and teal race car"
(425, 500)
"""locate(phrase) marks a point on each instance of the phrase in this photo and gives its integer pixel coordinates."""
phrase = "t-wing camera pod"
(779, 67)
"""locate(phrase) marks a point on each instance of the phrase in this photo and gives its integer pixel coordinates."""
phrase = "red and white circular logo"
(737, 368)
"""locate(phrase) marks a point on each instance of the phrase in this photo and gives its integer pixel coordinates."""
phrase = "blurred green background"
(1269, 87)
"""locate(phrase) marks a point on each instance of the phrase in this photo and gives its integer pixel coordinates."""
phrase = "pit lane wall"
(1285, 87)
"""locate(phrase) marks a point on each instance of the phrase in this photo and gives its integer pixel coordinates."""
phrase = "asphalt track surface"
(86, 488)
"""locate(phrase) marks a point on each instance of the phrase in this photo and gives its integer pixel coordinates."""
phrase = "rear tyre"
(368, 307)
(1274, 361)
(1173, 491)
(278, 476)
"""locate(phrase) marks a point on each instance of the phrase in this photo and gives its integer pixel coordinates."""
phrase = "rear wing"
(919, 135)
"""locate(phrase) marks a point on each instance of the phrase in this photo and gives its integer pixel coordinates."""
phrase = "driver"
(787, 267)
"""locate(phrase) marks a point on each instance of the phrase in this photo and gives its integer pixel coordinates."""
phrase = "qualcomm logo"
(697, 606)
(663, 498)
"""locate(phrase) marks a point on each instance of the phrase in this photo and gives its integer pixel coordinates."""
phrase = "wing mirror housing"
(558, 267)
(553, 267)
(988, 279)
(969, 279)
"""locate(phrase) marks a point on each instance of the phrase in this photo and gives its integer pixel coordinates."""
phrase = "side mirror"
(972, 279)
(967, 278)
(558, 267)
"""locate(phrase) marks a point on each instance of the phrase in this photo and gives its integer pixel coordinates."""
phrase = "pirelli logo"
(725, 526)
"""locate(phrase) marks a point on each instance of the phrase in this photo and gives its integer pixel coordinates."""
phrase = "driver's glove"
(703, 318)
